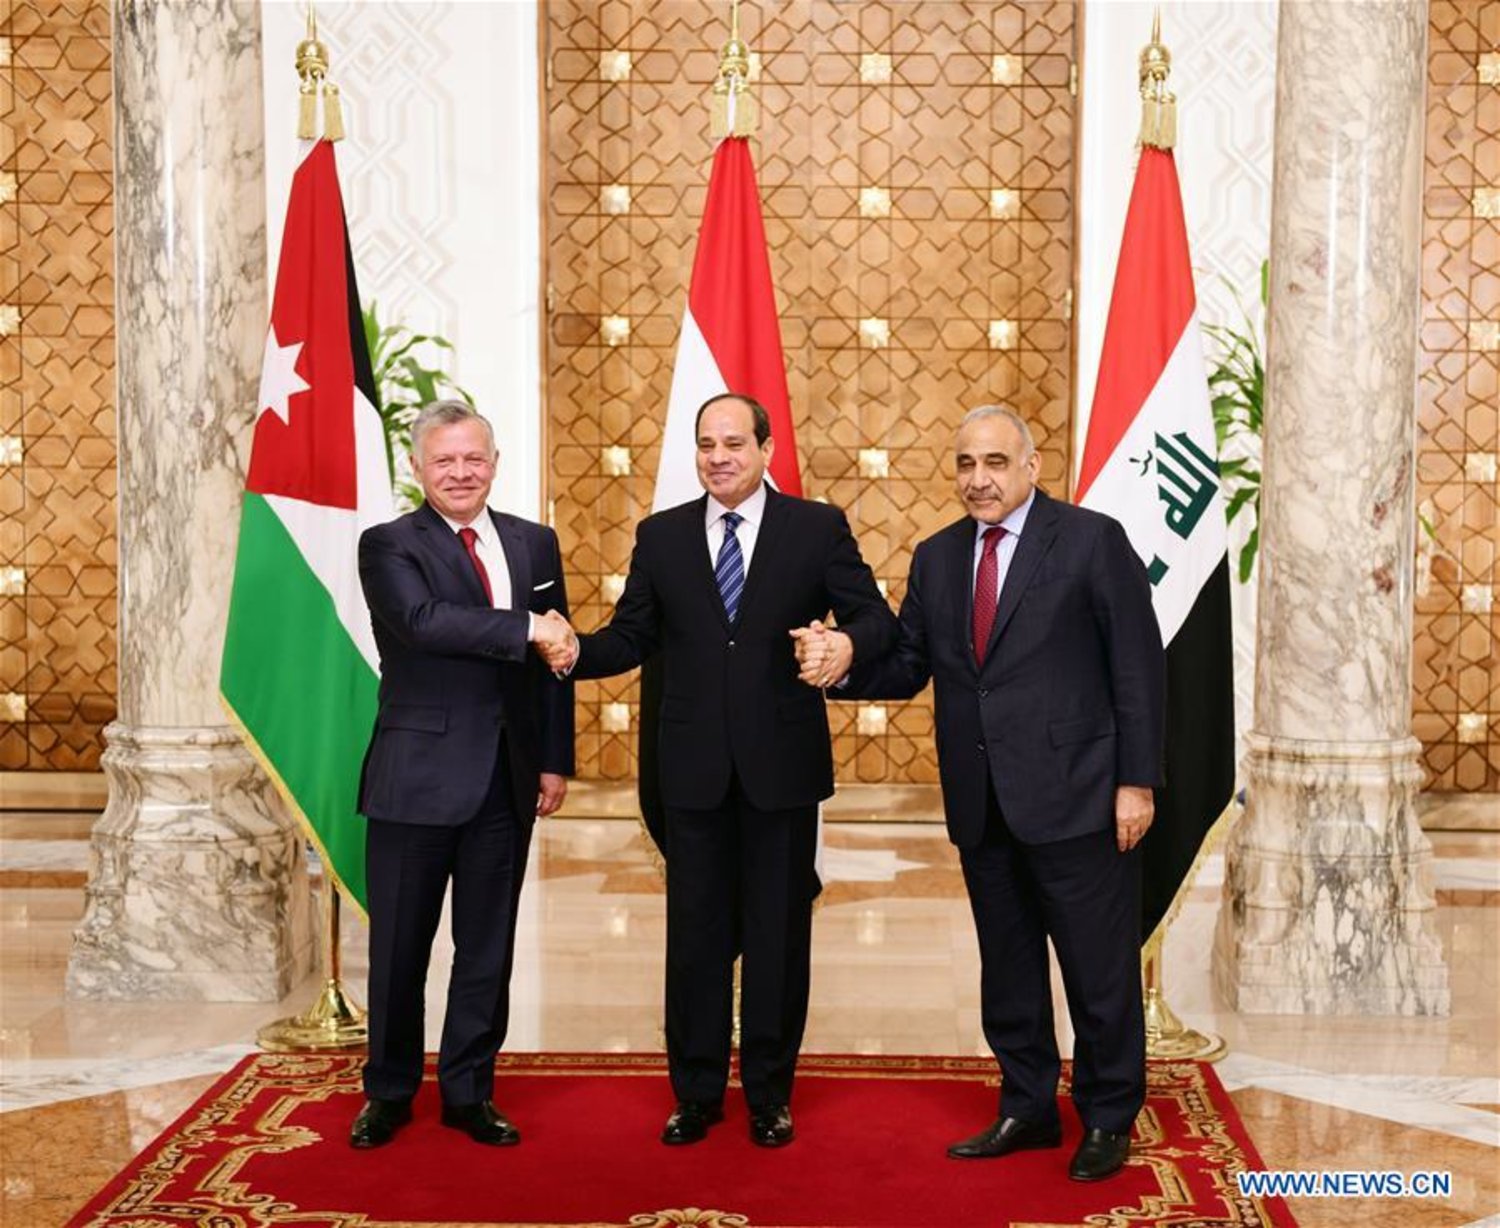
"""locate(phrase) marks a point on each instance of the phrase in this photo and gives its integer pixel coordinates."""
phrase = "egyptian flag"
(300, 669)
(1151, 462)
(730, 342)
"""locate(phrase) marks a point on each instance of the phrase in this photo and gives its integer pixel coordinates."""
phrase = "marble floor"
(83, 1086)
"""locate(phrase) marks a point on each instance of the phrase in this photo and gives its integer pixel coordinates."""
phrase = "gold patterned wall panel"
(1457, 630)
(916, 168)
(57, 426)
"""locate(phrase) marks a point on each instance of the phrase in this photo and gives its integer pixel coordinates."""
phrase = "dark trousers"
(1085, 895)
(739, 880)
(408, 866)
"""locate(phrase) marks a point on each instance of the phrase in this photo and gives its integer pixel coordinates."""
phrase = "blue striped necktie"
(729, 569)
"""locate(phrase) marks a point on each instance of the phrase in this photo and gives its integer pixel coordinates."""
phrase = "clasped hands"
(824, 655)
(555, 642)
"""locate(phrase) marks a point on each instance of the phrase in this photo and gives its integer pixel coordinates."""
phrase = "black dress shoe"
(771, 1126)
(378, 1122)
(482, 1122)
(1100, 1155)
(1006, 1135)
(690, 1121)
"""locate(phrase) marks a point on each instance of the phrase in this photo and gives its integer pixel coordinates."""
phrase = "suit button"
(983, 692)
(731, 643)
(981, 748)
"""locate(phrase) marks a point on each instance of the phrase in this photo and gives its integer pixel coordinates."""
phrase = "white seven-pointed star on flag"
(278, 376)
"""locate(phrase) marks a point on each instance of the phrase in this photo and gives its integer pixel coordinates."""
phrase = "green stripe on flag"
(303, 695)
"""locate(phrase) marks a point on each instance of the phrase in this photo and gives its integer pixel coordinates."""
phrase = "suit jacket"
(1069, 702)
(730, 694)
(455, 673)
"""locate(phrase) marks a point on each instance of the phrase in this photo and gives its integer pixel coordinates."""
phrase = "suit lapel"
(450, 551)
(517, 560)
(1036, 540)
(771, 525)
(959, 549)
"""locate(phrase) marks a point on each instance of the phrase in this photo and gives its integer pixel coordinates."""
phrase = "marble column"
(1328, 902)
(197, 883)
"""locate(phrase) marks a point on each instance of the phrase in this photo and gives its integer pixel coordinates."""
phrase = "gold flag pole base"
(1168, 1037)
(332, 1022)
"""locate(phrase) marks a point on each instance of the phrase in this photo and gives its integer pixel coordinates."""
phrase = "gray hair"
(446, 413)
(1028, 445)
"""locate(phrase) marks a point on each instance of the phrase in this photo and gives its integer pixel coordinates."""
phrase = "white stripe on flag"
(327, 536)
(695, 378)
(1127, 490)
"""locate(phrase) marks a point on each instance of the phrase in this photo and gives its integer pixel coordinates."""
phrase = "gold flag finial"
(1158, 103)
(312, 68)
(734, 111)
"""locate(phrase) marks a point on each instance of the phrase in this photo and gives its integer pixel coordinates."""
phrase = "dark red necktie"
(470, 540)
(986, 590)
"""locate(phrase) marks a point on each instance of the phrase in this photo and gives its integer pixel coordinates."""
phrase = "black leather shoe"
(690, 1121)
(378, 1122)
(1100, 1155)
(482, 1122)
(1006, 1135)
(771, 1126)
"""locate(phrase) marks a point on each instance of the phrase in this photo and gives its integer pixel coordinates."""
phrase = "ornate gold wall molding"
(916, 169)
(57, 394)
(1456, 699)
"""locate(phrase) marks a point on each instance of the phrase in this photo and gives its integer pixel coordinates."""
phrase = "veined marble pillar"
(197, 884)
(1328, 900)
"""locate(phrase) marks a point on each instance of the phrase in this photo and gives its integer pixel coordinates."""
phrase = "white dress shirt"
(497, 567)
(1014, 525)
(753, 511)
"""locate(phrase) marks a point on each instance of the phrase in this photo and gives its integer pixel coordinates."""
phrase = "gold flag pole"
(734, 110)
(1166, 1035)
(334, 1021)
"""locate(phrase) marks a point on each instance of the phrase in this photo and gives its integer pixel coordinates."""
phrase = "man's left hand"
(1135, 807)
(550, 796)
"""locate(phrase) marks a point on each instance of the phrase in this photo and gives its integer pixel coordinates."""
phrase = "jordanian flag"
(300, 668)
(1151, 462)
(730, 342)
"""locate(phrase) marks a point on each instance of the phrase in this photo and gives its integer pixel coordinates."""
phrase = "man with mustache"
(715, 585)
(1033, 619)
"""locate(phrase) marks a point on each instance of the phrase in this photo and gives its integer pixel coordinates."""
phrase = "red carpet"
(266, 1146)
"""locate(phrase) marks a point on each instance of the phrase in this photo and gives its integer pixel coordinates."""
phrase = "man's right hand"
(555, 641)
(824, 655)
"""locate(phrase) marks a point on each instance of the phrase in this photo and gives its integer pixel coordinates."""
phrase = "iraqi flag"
(730, 342)
(300, 669)
(1151, 462)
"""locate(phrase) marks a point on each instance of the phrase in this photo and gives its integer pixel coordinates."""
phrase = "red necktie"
(986, 588)
(470, 540)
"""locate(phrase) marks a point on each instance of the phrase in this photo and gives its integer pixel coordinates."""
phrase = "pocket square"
(536, 588)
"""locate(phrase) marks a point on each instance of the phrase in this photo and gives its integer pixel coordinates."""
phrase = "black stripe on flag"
(364, 374)
(1199, 748)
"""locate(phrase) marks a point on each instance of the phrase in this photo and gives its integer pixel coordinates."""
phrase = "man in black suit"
(474, 738)
(1034, 621)
(716, 585)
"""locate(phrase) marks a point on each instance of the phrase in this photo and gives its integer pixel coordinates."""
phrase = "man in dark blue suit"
(1034, 621)
(473, 740)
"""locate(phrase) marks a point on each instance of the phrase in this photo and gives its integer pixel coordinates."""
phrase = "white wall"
(440, 178)
(1224, 76)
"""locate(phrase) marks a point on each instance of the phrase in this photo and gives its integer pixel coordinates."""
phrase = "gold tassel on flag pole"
(734, 110)
(312, 68)
(1158, 103)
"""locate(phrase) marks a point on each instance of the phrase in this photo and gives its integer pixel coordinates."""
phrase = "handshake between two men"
(824, 655)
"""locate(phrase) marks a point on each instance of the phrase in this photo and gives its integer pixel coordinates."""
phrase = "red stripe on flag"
(1152, 302)
(734, 302)
(312, 456)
